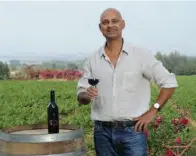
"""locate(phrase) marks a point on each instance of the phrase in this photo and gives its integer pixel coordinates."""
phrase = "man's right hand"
(92, 92)
(86, 97)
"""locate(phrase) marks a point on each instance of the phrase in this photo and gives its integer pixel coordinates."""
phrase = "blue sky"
(44, 29)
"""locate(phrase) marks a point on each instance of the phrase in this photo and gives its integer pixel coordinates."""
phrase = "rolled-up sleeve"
(155, 71)
(83, 81)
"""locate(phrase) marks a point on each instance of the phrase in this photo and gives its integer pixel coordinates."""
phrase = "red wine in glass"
(93, 81)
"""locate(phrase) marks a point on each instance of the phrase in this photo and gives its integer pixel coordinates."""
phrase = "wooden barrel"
(34, 140)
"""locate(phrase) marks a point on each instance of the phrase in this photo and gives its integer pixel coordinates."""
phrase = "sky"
(49, 29)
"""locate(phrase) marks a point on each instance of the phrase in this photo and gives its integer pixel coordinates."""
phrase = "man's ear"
(99, 26)
(123, 24)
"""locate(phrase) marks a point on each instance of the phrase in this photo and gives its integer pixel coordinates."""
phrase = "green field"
(25, 102)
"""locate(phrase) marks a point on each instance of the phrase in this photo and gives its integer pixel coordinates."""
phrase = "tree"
(14, 64)
(4, 71)
(72, 65)
(53, 65)
(159, 56)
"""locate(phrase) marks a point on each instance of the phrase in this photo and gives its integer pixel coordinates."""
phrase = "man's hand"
(144, 120)
(92, 92)
(85, 98)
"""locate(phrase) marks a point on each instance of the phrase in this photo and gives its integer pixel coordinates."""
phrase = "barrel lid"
(75, 133)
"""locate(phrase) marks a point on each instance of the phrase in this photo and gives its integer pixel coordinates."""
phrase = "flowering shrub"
(165, 131)
(52, 74)
(60, 74)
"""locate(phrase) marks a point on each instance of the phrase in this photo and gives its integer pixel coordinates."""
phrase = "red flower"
(159, 119)
(178, 140)
(146, 132)
(168, 152)
(184, 121)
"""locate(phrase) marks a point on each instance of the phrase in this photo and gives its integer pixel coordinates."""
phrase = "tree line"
(177, 63)
(174, 62)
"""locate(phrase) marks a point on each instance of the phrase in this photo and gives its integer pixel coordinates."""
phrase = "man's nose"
(110, 24)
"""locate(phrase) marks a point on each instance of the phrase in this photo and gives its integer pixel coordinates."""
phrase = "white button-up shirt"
(124, 91)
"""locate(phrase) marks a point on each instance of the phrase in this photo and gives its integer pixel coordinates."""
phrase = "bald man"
(120, 106)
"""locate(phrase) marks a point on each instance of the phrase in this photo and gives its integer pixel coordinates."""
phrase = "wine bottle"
(53, 115)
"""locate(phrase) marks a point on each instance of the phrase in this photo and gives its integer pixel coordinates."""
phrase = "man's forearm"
(83, 98)
(164, 95)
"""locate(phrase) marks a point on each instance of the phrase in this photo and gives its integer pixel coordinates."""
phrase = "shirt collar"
(125, 49)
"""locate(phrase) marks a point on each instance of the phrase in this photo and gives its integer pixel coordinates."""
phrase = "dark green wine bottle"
(53, 115)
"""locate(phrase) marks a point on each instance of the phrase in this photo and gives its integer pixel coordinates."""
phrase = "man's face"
(111, 25)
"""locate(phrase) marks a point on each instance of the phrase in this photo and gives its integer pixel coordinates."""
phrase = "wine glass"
(93, 81)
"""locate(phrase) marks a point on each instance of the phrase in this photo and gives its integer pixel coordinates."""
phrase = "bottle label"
(53, 122)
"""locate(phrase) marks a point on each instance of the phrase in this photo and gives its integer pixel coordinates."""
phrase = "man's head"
(111, 23)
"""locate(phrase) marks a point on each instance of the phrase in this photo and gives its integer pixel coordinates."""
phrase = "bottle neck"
(52, 96)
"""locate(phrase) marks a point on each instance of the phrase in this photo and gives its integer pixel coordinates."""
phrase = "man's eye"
(115, 21)
(105, 22)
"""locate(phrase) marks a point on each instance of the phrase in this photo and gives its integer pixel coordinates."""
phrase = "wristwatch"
(157, 106)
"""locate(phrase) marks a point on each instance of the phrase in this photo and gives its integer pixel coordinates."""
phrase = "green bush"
(4, 71)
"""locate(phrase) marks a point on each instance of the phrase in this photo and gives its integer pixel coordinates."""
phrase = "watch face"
(156, 105)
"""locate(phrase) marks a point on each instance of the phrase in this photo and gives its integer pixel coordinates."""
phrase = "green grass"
(25, 102)
(185, 95)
